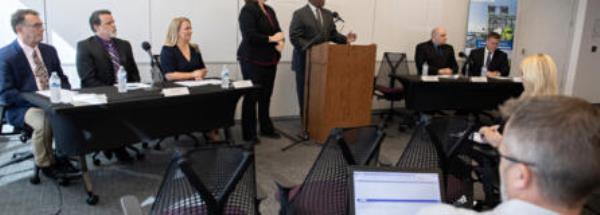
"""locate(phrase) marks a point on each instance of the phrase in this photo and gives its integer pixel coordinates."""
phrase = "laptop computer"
(377, 190)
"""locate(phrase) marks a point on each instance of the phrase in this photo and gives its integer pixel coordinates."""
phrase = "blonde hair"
(539, 79)
(173, 32)
(539, 76)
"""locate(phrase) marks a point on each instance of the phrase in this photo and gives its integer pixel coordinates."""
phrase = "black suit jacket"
(304, 32)
(426, 52)
(256, 29)
(95, 67)
(499, 62)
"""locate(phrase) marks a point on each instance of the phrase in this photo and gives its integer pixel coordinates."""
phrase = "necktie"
(319, 18)
(40, 71)
(114, 58)
(488, 60)
(439, 51)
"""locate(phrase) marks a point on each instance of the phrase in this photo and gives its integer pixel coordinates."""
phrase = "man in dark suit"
(312, 25)
(489, 59)
(25, 66)
(99, 58)
(438, 55)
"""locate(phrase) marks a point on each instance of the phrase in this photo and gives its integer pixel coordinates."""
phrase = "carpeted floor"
(113, 180)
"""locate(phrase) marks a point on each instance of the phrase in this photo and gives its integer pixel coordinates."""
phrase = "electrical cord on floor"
(60, 197)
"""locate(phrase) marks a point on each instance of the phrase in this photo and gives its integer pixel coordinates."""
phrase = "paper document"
(89, 99)
(199, 83)
(66, 96)
(136, 86)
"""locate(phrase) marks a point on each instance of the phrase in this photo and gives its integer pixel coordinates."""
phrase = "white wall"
(584, 70)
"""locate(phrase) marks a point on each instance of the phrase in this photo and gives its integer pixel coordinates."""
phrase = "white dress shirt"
(28, 50)
(315, 12)
(508, 207)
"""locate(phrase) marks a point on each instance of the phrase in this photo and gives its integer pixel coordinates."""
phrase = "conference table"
(456, 93)
(138, 115)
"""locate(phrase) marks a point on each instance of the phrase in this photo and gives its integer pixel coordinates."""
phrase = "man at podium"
(312, 25)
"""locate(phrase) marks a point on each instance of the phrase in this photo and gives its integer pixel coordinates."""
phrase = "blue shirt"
(172, 60)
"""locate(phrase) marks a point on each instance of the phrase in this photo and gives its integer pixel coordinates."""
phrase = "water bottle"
(55, 86)
(122, 80)
(225, 77)
(484, 71)
(425, 69)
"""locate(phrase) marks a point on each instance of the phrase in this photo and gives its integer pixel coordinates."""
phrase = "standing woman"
(259, 54)
(180, 59)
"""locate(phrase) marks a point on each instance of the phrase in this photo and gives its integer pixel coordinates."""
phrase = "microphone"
(157, 76)
(337, 18)
(466, 66)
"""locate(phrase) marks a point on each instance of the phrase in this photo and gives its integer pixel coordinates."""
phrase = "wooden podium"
(338, 88)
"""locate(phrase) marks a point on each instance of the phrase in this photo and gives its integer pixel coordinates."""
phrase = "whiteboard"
(214, 25)
(68, 23)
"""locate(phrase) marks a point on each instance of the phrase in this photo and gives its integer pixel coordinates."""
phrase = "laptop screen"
(394, 192)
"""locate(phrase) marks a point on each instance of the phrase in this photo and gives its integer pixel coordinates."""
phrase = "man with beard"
(99, 58)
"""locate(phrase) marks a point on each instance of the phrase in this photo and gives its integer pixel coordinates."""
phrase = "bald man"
(438, 55)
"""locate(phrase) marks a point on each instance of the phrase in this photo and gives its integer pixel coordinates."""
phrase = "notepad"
(199, 83)
(426, 78)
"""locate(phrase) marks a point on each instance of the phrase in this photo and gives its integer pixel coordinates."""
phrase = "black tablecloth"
(138, 115)
(457, 94)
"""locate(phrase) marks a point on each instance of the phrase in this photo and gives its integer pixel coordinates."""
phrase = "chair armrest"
(131, 205)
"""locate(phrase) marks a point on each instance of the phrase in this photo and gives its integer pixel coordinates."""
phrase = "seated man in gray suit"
(312, 25)
(99, 58)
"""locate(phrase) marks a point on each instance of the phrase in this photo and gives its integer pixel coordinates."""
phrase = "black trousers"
(265, 77)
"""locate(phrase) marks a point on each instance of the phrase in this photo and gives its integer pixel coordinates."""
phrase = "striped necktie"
(114, 58)
(40, 71)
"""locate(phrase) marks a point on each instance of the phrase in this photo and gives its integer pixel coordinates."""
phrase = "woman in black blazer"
(259, 54)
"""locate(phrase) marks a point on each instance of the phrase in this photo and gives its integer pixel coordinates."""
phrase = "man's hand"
(280, 46)
(351, 37)
(491, 135)
(493, 74)
(445, 71)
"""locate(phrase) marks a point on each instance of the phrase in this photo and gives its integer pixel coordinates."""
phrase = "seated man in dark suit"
(438, 55)
(99, 58)
(25, 66)
(489, 59)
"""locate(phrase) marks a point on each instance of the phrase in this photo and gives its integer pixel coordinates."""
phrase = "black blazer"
(499, 62)
(425, 52)
(95, 67)
(304, 32)
(256, 29)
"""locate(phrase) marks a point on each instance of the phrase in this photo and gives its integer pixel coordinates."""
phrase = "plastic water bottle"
(425, 69)
(122, 80)
(484, 71)
(55, 86)
(225, 77)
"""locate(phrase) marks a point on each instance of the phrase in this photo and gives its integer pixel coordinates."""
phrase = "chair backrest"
(448, 134)
(420, 152)
(325, 188)
(392, 63)
(211, 180)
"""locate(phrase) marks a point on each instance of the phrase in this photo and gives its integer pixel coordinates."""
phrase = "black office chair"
(325, 188)
(218, 179)
(24, 135)
(432, 146)
(392, 90)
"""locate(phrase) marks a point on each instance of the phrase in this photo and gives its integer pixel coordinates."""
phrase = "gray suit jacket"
(304, 33)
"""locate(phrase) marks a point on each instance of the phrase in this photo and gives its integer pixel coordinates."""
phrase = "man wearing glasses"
(25, 66)
(550, 158)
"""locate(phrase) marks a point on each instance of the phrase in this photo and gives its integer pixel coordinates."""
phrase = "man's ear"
(522, 176)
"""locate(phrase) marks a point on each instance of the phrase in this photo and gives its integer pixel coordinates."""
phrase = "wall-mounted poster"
(485, 16)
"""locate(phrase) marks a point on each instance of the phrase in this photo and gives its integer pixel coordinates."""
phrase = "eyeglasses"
(35, 26)
(515, 160)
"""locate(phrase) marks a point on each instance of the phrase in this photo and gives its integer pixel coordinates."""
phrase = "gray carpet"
(113, 180)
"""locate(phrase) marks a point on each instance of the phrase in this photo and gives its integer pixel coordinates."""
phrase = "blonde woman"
(539, 79)
(179, 58)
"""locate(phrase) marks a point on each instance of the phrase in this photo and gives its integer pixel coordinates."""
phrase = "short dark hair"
(561, 136)
(250, 1)
(494, 35)
(95, 18)
(18, 18)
